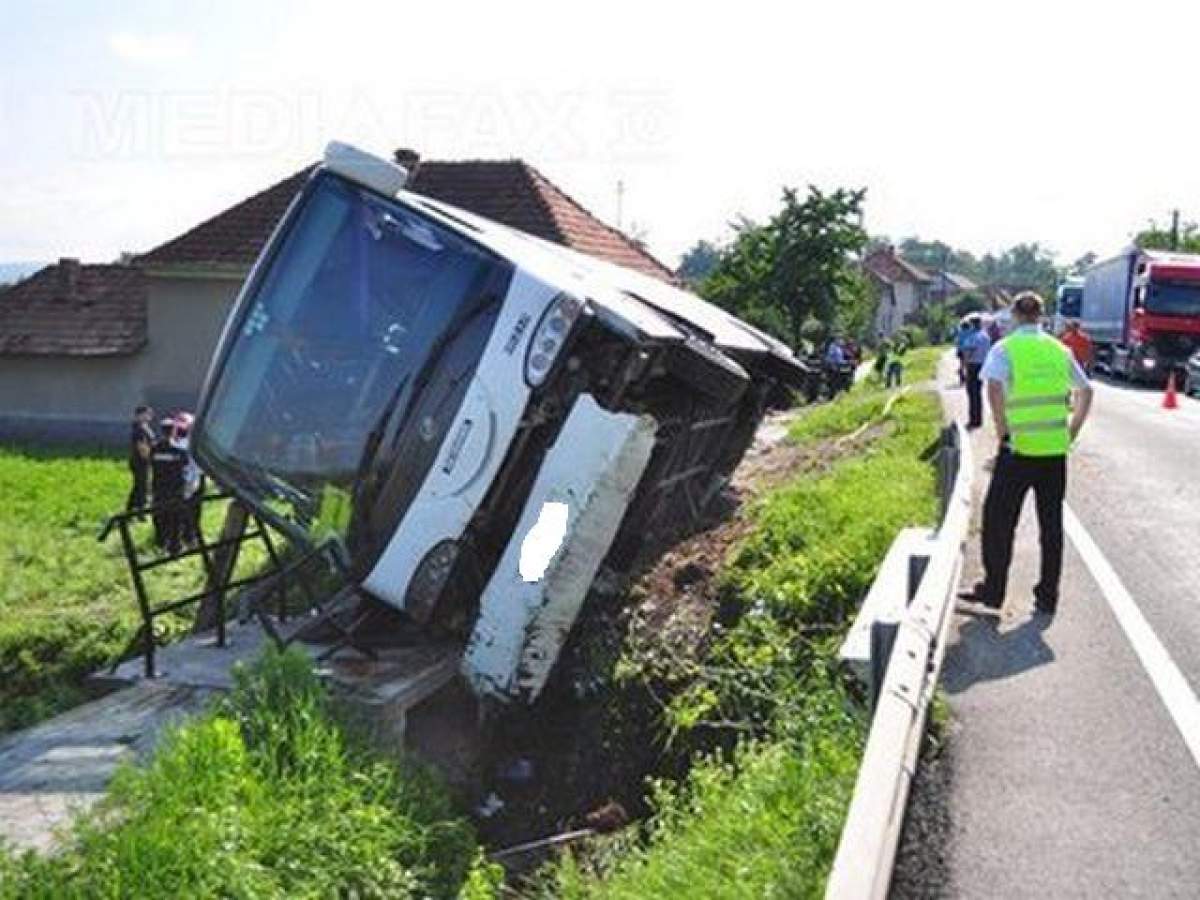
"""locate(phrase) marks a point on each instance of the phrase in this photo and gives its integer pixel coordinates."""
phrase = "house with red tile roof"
(81, 345)
(903, 288)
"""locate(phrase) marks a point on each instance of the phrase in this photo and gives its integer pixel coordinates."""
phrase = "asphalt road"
(1069, 771)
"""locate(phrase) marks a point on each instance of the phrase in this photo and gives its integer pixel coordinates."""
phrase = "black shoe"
(1043, 604)
(977, 595)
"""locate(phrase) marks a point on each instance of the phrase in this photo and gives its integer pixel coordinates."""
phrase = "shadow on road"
(985, 653)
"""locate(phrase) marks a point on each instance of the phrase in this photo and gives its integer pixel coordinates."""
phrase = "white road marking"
(1174, 690)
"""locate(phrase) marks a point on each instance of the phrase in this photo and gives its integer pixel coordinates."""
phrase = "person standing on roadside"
(168, 463)
(895, 363)
(975, 350)
(1040, 398)
(141, 442)
(960, 344)
(193, 481)
(1080, 345)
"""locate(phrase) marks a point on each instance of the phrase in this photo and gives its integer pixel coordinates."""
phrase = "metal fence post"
(139, 589)
(883, 638)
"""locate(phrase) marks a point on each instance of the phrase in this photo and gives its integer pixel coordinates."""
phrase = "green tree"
(1154, 237)
(936, 256)
(698, 262)
(856, 305)
(796, 267)
(814, 240)
(739, 281)
(968, 303)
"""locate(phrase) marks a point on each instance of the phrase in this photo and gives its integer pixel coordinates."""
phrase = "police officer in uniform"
(141, 442)
(1040, 398)
(975, 348)
(167, 464)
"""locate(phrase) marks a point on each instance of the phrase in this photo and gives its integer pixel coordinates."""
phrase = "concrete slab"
(196, 660)
(65, 764)
(400, 677)
(62, 765)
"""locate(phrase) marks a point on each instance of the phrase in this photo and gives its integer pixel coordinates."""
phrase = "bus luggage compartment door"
(586, 483)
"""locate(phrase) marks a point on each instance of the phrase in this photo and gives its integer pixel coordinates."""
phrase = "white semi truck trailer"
(479, 421)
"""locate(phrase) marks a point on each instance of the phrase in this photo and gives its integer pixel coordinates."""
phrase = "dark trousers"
(894, 373)
(140, 488)
(168, 527)
(1012, 478)
(974, 396)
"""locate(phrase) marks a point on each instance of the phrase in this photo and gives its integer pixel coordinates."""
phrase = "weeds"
(265, 796)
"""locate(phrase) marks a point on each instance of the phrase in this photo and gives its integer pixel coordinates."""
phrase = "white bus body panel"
(467, 462)
(593, 467)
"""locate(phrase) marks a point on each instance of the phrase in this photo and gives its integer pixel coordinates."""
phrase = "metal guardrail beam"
(867, 851)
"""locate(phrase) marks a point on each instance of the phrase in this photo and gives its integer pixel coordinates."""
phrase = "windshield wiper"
(375, 437)
(448, 337)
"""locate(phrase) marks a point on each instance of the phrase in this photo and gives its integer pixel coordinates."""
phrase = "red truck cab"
(1142, 309)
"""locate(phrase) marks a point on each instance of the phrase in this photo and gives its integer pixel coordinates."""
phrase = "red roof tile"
(890, 268)
(69, 309)
(507, 191)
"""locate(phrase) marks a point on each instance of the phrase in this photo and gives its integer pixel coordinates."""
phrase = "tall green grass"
(763, 820)
(864, 402)
(66, 605)
(265, 796)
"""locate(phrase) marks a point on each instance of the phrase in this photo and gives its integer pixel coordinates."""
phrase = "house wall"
(72, 398)
(79, 399)
(896, 306)
(186, 316)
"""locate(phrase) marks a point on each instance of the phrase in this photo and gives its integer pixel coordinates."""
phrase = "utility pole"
(1174, 229)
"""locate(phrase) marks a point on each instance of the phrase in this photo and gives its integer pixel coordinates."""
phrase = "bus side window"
(1139, 296)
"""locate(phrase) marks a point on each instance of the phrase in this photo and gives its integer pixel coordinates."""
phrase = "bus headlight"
(429, 580)
(549, 337)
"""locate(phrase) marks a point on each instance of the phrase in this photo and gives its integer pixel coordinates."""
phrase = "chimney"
(68, 277)
(409, 158)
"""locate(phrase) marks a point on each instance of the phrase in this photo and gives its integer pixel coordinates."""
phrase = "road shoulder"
(1063, 775)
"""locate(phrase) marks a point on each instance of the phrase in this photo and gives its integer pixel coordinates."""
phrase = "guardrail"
(906, 659)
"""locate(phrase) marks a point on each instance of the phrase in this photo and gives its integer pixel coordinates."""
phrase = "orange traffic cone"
(1170, 400)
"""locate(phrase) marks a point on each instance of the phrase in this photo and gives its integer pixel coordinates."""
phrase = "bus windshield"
(334, 341)
(1173, 298)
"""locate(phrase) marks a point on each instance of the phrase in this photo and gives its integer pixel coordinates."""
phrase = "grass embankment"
(264, 796)
(764, 819)
(66, 605)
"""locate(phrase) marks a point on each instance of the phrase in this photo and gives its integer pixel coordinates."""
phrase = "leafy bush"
(916, 336)
(265, 796)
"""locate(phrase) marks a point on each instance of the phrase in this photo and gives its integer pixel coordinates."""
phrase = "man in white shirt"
(1029, 376)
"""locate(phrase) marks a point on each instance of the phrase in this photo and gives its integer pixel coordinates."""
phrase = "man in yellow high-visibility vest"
(1040, 398)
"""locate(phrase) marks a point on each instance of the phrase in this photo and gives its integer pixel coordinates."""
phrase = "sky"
(982, 124)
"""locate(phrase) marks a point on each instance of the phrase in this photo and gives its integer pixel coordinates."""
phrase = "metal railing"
(332, 608)
(905, 680)
(219, 560)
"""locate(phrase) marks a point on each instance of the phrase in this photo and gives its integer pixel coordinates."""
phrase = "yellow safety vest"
(1039, 400)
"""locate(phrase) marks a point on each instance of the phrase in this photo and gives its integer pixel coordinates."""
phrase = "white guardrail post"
(867, 852)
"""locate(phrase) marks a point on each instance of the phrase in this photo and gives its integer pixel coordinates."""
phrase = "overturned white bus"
(479, 420)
